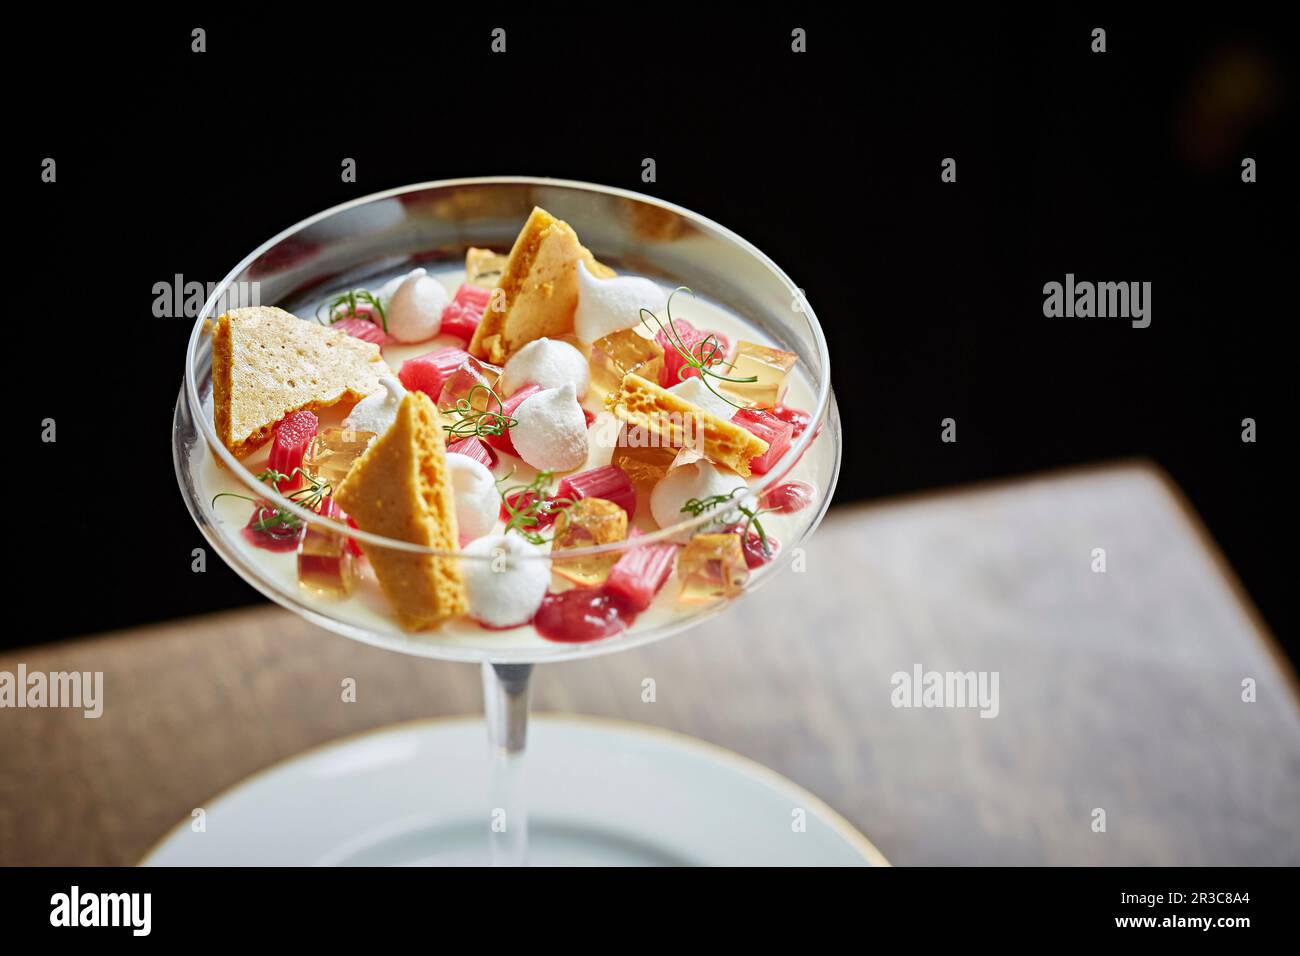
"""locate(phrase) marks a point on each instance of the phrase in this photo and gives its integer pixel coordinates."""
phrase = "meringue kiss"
(607, 305)
(547, 363)
(375, 413)
(551, 431)
(414, 312)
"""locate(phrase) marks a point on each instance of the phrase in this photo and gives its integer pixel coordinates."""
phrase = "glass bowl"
(363, 242)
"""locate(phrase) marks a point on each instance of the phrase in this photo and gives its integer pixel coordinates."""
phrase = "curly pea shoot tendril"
(309, 497)
(479, 423)
(345, 307)
(710, 351)
(524, 518)
(697, 506)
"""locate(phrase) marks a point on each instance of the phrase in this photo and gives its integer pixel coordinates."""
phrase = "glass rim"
(670, 534)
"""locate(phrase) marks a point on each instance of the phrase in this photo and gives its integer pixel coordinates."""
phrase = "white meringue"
(385, 292)
(389, 288)
(607, 305)
(551, 431)
(697, 393)
(548, 363)
(377, 412)
(414, 308)
(478, 505)
(701, 479)
(507, 589)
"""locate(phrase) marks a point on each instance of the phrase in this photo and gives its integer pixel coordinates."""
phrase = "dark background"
(1116, 166)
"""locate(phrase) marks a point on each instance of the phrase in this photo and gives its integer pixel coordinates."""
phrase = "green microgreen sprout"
(698, 506)
(704, 358)
(346, 306)
(309, 497)
(531, 502)
(473, 422)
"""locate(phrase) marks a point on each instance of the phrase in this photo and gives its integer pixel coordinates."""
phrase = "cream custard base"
(367, 610)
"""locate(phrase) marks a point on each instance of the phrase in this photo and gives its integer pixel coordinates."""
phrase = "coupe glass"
(360, 243)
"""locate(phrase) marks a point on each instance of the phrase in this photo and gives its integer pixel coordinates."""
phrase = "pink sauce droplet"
(275, 538)
(789, 497)
(580, 615)
(756, 555)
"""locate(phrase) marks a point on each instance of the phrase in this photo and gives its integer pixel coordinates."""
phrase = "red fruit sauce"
(580, 615)
(523, 499)
(755, 555)
(277, 538)
(789, 497)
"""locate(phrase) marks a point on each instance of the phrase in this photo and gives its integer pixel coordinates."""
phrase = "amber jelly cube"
(331, 453)
(769, 367)
(643, 462)
(462, 385)
(622, 353)
(325, 562)
(712, 566)
(587, 523)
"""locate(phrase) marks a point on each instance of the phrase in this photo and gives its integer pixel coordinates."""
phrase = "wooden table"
(1119, 690)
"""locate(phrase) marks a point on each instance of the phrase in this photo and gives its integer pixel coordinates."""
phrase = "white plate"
(598, 792)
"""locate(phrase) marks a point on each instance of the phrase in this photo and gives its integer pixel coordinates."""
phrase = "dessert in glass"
(508, 421)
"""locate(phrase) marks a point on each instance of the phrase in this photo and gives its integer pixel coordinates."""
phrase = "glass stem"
(505, 702)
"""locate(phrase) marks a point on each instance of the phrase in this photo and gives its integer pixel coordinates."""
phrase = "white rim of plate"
(745, 766)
